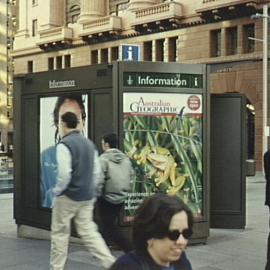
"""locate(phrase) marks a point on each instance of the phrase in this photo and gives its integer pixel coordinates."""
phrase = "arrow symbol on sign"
(129, 81)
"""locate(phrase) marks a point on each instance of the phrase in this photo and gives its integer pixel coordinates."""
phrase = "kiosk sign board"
(159, 111)
(151, 79)
(163, 137)
(164, 110)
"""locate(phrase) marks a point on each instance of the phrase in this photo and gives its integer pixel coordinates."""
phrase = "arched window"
(72, 11)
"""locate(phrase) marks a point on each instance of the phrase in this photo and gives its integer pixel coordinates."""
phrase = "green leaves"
(182, 137)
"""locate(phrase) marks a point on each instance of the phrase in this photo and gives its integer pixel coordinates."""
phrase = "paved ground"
(225, 249)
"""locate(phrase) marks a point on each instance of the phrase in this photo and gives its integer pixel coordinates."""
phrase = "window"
(10, 95)
(172, 49)
(30, 66)
(58, 62)
(215, 43)
(104, 55)
(67, 61)
(9, 42)
(231, 40)
(50, 63)
(73, 13)
(94, 57)
(34, 28)
(147, 51)
(10, 138)
(14, 21)
(74, 18)
(160, 50)
(248, 44)
(9, 113)
(114, 53)
(119, 8)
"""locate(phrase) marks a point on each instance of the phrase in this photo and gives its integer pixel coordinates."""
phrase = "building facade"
(8, 27)
(73, 33)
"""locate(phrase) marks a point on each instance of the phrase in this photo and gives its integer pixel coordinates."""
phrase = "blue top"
(171, 267)
(48, 168)
(143, 261)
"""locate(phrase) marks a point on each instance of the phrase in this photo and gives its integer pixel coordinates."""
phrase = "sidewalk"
(225, 249)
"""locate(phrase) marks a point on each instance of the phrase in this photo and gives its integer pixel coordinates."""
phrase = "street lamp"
(265, 18)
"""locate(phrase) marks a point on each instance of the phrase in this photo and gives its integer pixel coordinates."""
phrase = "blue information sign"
(130, 52)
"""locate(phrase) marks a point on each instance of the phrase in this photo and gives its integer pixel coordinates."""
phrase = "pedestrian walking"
(266, 159)
(75, 195)
(118, 176)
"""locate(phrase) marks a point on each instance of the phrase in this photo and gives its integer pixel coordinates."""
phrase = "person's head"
(69, 122)
(69, 103)
(162, 227)
(109, 141)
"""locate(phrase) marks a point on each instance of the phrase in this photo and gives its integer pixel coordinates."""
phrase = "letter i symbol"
(130, 53)
(196, 81)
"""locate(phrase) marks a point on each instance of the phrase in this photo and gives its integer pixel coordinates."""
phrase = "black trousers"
(267, 267)
(107, 216)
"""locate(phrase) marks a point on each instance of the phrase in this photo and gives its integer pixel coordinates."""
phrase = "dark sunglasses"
(175, 234)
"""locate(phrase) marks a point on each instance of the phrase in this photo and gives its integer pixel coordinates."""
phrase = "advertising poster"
(50, 109)
(163, 138)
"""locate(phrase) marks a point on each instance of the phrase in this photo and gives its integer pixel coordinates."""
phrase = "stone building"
(8, 26)
(72, 33)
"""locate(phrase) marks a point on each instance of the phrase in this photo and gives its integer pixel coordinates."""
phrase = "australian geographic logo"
(159, 106)
(61, 84)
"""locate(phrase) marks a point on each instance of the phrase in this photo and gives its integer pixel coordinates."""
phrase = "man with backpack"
(118, 176)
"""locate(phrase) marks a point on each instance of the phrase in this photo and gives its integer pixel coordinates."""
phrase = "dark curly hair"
(70, 119)
(154, 216)
(111, 139)
(60, 101)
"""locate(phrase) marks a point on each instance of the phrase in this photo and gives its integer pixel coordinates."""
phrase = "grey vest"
(81, 186)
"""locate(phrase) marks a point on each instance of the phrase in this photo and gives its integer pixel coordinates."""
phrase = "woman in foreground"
(161, 230)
